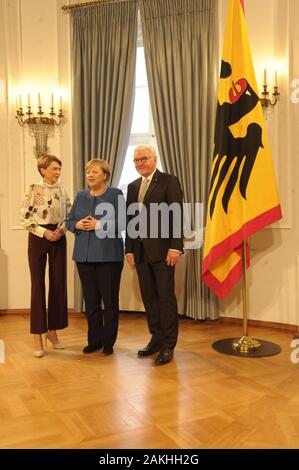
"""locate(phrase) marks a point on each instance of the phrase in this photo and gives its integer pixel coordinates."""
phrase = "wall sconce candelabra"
(267, 102)
(40, 126)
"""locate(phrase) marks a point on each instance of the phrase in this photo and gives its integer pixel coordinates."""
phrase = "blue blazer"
(104, 244)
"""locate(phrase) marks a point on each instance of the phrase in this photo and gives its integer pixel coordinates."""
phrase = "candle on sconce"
(60, 103)
(37, 116)
(265, 77)
(276, 79)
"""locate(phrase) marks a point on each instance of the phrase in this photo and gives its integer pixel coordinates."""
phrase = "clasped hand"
(53, 236)
(87, 224)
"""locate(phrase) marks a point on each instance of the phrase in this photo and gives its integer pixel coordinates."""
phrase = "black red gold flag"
(243, 195)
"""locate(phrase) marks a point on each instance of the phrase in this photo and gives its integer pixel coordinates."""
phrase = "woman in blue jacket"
(97, 218)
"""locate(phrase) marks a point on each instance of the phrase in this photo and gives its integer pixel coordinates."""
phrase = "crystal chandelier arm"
(40, 126)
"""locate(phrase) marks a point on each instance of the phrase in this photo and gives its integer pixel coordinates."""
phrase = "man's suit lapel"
(136, 185)
(155, 180)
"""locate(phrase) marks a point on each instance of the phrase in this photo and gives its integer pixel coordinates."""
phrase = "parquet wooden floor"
(202, 399)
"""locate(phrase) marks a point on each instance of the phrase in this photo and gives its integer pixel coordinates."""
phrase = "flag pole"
(246, 346)
(244, 290)
(246, 343)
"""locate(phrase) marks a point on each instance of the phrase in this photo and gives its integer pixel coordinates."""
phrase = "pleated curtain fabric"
(181, 51)
(103, 57)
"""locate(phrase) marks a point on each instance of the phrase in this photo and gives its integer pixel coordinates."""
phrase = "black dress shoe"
(164, 357)
(90, 349)
(148, 350)
(107, 351)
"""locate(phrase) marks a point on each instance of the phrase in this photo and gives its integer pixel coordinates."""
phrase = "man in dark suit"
(156, 249)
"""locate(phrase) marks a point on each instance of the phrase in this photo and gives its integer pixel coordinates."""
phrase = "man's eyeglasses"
(142, 159)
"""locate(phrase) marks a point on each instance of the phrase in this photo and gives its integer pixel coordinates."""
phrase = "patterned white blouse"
(44, 204)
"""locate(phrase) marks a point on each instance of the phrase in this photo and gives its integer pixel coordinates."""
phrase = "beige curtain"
(103, 56)
(181, 50)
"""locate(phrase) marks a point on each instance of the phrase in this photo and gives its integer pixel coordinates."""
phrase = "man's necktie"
(143, 188)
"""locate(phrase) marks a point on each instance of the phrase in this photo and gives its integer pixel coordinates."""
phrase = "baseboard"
(285, 327)
(71, 311)
(15, 311)
(25, 311)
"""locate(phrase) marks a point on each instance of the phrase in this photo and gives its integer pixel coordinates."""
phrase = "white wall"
(34, 57)
(34, 50)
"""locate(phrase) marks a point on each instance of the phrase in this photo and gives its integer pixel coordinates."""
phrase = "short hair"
(105, 167)
(45, 160)
(146, 147)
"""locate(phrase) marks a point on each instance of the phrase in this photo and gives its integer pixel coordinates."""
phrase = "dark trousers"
(156, 282)
(100, 282)
(39, 249)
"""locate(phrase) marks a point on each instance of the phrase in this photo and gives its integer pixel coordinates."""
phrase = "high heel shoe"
(57, 345)
(38, 346)
(39, 353)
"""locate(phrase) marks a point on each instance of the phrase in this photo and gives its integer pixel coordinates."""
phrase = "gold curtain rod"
(86, 4)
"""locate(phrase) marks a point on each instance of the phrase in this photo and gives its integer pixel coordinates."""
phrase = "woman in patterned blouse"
(44, 210)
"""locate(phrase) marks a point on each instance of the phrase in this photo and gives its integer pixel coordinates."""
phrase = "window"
(142, 131)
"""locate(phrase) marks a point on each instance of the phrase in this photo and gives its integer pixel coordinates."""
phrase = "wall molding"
(283, 327)
(26, 311)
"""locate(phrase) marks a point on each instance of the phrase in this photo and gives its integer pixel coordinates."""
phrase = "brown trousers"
(38, 251)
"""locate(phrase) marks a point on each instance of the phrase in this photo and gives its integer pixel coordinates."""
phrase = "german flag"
(243, 192)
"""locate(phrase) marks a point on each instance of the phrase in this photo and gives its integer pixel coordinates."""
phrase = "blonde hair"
(45, 160)
(105, 167)
(146, 147)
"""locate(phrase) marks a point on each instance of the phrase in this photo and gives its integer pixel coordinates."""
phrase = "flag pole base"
(246, 344)
(227, 346)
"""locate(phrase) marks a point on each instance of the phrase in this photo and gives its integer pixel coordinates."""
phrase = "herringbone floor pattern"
(202, 399)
